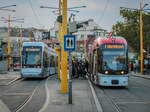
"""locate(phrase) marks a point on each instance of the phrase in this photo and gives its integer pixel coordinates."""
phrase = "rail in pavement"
(9, 77)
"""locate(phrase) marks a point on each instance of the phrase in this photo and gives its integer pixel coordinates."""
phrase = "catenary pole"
(21, 40)
(9, 58)
(64, 88)
(59, 40)
(141, 37)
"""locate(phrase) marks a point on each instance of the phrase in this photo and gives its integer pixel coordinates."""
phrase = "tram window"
(56, 61)
(52, 61)
(99, 59)
(31, 58)
(93, 60)
(45, 60)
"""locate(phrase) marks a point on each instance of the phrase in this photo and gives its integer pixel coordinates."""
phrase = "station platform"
(82, 98)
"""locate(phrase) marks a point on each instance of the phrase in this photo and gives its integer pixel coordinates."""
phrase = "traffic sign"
(69, 43)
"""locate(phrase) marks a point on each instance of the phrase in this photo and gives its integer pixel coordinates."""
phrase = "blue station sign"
(69, 43)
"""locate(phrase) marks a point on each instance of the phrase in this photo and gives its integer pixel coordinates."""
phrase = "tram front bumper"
(31, 72)
(113, 80)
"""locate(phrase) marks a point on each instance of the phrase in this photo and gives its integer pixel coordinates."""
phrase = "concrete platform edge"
(97, 103)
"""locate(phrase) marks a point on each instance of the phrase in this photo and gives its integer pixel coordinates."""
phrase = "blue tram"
(38, 60)
(109, 62)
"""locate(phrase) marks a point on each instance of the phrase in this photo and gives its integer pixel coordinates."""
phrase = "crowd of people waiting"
(135, 67)
(79, 68)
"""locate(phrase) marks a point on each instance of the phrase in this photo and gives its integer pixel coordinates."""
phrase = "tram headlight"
(122, 72)
(106, 72)
(38, 66)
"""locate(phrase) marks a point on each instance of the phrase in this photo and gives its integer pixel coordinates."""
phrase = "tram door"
(95, 65)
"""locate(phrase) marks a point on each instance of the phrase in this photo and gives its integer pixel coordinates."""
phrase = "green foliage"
(130, 28)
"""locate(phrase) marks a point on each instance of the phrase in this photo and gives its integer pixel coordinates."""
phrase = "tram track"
(107, 96)
(10, 85)
(112, 101)
(26, 101)
(15, 81)
(133, 95)
(14, 89)
(24, 104)
(11, 81)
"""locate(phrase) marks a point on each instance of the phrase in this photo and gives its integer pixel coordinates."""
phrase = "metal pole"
(21, 40)
(70, 73)
(59, 40)
(9, 58)
(70, 79)
(29, 35)
(141, 37)
(64, 63)
(85, 41)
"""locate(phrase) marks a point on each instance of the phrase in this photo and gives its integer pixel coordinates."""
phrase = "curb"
(98, 105)
(141, 76)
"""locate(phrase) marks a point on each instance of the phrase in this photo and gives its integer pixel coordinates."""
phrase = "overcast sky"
(104, 12)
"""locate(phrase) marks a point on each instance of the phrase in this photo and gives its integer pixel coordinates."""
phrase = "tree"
(130, 28)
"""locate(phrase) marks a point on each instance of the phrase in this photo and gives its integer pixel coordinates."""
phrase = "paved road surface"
(19, 94)
(135, 98)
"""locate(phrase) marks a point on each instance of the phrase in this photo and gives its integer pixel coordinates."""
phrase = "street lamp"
(4, 8)
(61, 8)
(84, 41)
(68, 9)
(144, 5)
(21, 40)
(55, 11)
(7, 6)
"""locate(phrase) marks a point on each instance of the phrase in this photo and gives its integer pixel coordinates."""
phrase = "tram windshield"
(114, 60)
(31, 56)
